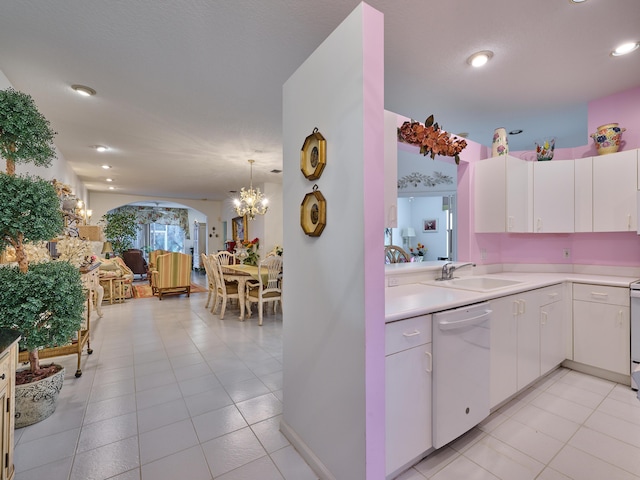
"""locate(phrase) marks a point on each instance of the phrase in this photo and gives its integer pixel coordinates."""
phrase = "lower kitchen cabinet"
(408, 392)
(601, 327)
(529, 328)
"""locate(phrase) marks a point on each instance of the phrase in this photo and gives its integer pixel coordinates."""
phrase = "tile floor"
(567, 426)
(170, 391)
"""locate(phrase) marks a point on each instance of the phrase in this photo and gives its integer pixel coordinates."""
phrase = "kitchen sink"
(477, 284)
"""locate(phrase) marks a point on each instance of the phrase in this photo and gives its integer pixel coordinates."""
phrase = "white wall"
(206, 211)
(334, 284)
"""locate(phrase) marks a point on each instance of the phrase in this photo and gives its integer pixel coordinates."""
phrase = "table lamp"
(107, 249)
(408, 234)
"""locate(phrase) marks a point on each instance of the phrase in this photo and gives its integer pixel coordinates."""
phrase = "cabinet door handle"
(522, 307)
(509, 223)
(412, 334)
(430, 369)
(543, 317)
(599, 295)
(620, 317)
(628, 221)
(539, 224)
(516, 307)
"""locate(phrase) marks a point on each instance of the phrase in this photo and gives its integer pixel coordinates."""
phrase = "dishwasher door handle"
(444, 325)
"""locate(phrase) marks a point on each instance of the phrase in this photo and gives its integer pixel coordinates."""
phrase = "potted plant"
(43, 301)
(121, 229)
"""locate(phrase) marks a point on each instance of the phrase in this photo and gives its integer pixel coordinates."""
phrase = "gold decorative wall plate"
(313, 155)
(313, 213)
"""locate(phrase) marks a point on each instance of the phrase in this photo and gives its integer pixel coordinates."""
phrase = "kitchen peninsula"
(539, 320)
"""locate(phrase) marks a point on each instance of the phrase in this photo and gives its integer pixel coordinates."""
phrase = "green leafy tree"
(30, 212)
(25, 134)
(121, 229)
(45, 305)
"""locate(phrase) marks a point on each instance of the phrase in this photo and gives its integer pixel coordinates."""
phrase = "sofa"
(115, 267)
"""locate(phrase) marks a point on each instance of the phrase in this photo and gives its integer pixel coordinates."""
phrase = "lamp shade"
(408, 232)
(107, 248)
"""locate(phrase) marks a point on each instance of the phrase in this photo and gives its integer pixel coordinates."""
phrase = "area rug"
(144, 291)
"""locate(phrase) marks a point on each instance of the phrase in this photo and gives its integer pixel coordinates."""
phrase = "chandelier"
(251, 201)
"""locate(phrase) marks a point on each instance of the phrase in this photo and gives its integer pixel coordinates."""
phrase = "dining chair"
(224, 290)
(211, 281)
(395, 254)
(226, 258)
(268, 288)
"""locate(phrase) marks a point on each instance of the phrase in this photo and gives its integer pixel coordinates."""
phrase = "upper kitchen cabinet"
(553, 196)
(390, 170)
(503, 195)
(583, 170)
(615, 185)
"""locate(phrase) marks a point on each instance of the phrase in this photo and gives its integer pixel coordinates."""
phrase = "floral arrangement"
(249, 252)
(431, 139)
(419, 251)
(37, 252)
(75, 251)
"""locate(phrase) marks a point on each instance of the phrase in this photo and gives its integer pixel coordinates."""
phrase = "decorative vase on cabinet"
(607, 138)
(500, 145)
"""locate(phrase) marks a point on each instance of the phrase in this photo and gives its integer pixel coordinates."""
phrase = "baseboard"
(598, 372)
(305, 452)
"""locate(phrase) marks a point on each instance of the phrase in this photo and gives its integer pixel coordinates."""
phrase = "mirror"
(426, 206)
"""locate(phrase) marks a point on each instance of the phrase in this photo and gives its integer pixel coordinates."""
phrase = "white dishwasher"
(461, 342)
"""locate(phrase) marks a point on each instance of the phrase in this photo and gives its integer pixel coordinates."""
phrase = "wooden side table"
(115, 289)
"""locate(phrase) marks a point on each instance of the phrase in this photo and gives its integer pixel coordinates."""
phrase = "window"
(166, 237)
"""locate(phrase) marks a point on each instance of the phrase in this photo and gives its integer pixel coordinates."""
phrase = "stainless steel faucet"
(448, 269)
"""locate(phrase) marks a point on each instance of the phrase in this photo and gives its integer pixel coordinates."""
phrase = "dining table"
(241, 274)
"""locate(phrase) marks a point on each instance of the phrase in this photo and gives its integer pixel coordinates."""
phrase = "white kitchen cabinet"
(601, 328)
(583, 188)
(615, 185)
(552, 328)
(503, 195)
(528, 318)
(527, 339)
(408, 366)
(504, 350)
(390, 169)
(553, 196)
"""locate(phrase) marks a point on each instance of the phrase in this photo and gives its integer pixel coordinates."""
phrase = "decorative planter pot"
(607, 138)
(500, 144)
(37, 400)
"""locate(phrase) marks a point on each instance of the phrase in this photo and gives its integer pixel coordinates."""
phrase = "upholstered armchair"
(172, 274)
(135, 261)
(152, 261)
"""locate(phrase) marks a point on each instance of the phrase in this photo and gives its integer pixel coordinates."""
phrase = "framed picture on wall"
(239, 229)
(430, 225)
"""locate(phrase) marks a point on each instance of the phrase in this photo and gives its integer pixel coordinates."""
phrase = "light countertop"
(420, 298)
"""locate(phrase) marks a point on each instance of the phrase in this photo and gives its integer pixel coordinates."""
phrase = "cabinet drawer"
(551, 294)
(601, 294)
(407, 333)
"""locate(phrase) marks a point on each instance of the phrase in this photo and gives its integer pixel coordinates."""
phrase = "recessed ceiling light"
(112, 188)
(84, 90)
(625, 48)
(275, 170)
(106, 167)
(109, 180)
(517, 131)
(100, 148)
(577, 1)
(479, 59)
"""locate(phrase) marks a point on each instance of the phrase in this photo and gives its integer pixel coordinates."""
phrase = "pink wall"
(619, 248)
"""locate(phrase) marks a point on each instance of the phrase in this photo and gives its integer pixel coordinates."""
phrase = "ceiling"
(188, 91)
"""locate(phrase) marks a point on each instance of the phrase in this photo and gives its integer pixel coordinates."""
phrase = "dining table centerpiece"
(431, 139)
(419, 252)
